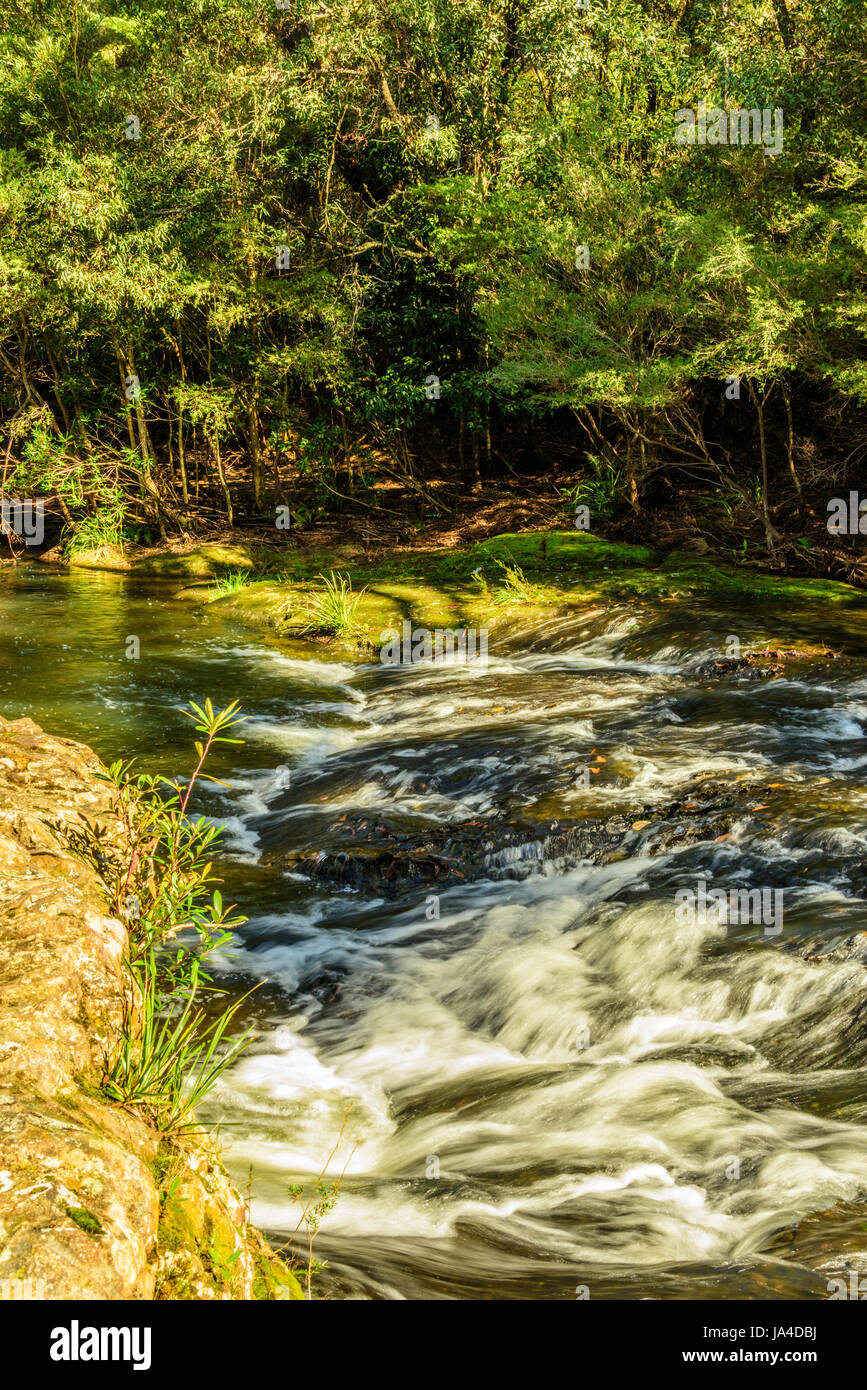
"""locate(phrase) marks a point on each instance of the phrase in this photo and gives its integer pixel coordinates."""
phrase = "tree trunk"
(255, 456)
(631, 485)
(146, 448)
(766, 517)
(185, 491)
(347, 455)
(222, 477)
(129, 425)
(784, 24)
(790, 443)
(55, 376)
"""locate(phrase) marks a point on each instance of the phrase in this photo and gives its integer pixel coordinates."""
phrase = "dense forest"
(335, 255)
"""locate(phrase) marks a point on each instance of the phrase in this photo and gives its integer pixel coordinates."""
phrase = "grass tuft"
(231, 583)
(333, 612)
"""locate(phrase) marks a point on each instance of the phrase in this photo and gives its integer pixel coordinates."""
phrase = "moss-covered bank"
(525, 577)
(94, 1203)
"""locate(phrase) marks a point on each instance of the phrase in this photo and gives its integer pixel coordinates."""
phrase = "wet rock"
(766, 664)
(78, 1207)
(850, 946)
(832, 1243)
(745, 668)
(384, 859)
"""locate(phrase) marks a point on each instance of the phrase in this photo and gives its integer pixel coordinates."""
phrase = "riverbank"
(94, 1202)
(530, 577)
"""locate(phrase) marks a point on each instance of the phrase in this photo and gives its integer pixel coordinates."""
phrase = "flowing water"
(557, 1083)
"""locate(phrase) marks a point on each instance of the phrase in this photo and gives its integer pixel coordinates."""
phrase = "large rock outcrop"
(94, 1203)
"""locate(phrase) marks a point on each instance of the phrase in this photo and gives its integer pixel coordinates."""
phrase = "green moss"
(86, 1220)
(463, 587)
(552, 549)
(205, 562)
(274, 1279)
(181, 1222)
(168, 1238)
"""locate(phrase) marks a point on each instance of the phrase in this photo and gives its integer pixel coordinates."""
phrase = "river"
(558, 1086)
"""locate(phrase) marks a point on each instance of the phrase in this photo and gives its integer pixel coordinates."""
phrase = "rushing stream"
(558, 1082)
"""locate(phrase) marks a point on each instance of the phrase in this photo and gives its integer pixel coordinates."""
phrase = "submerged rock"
(386, 858)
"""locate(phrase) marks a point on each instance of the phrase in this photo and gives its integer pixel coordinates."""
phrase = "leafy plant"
(601, 493)
(170, 1056)
(100, 531)
(163, 882)
(317, 1206)
(168, 1065)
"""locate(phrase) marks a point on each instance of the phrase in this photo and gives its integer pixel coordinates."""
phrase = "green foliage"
(429, 169)
(316, 1206)
(226, 584)
(516, 588)
(168, 1065)
(170, 1054)
(600, 493)
(163, 883)
(333, 612)
(99, 530)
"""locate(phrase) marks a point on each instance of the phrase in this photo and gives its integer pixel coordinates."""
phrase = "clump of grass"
(601, 493)
(226, 584)
(332, 612)
(162, 884)
(100, 531)
(481, 580)
(516, 588)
